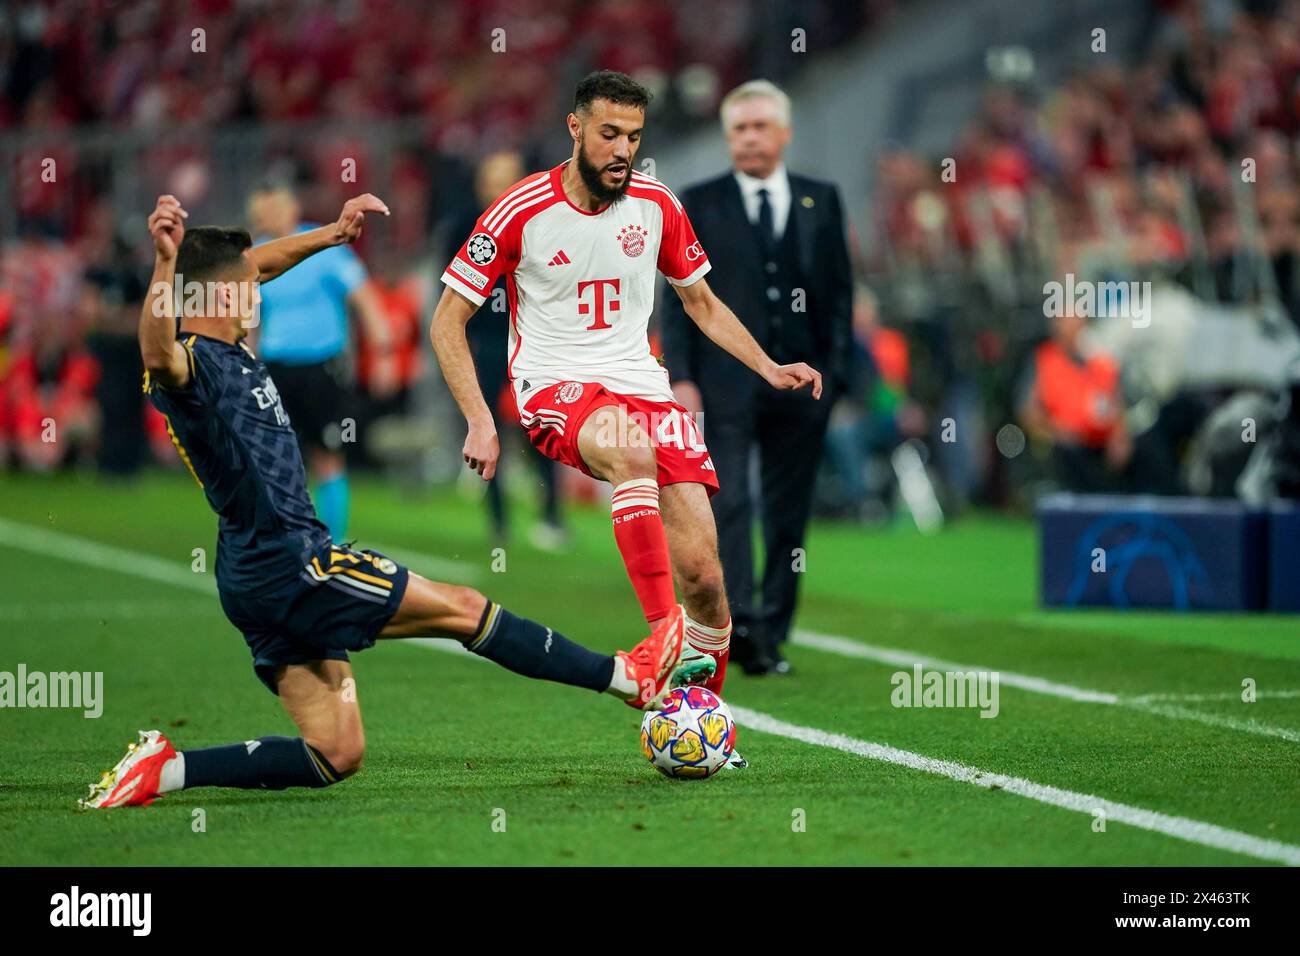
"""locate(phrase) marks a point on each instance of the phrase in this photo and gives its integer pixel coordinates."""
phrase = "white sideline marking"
(1150, 704)
(1250, 726)
(1182, 828)
(1230, 695)
(71, 547)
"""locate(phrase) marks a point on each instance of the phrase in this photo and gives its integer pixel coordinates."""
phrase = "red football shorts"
(555, 414)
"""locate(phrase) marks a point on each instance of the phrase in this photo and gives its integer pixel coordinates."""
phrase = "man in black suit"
(780, 261)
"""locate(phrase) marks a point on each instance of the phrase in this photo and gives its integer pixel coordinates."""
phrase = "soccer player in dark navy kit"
(302, 601)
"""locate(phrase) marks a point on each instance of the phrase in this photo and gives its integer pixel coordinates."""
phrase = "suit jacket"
(717, 212)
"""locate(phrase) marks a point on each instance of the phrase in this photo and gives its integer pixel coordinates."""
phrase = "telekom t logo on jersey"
(599, 298)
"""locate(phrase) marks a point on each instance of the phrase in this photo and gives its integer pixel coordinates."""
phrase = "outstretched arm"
(681, 340)
(280, 255)
(722, 327)
(370, 310)
(164, 358)
(482, 447)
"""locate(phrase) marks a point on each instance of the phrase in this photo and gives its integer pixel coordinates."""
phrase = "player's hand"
(481, 451)
(348, 228)
(796, 376)
(167, 226)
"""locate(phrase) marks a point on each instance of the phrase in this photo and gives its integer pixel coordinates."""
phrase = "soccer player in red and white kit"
(580, 245)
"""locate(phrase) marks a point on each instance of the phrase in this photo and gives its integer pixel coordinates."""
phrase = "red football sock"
(714, 641)
(639, 533)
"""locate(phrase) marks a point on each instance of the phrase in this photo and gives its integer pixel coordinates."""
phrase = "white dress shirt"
(778, 195)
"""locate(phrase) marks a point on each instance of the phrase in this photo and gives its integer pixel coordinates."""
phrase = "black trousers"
(123, 443)
(787, 429)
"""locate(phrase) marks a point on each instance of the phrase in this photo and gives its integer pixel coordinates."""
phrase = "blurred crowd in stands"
(131, 62)
(96, 92)
(1177, 164)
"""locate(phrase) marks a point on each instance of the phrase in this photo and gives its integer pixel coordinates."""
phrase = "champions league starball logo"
(1149, 546)
(481, 248)
(633, 240)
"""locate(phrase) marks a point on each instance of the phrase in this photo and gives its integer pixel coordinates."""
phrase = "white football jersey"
(580, 285)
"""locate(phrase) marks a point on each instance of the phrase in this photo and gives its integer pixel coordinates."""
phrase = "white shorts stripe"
(559, 419)
(545, 423)
(338, 584)
(359, 585)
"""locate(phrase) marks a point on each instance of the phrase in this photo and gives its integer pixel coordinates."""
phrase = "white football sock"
(621, 685)
(705, 639)
(173, 775)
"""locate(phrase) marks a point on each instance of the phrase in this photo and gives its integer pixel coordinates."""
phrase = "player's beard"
(590, 174)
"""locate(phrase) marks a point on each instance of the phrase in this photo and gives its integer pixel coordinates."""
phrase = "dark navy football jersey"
(234, 435)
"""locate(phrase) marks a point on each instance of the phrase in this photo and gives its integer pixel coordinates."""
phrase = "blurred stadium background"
(1122, 163)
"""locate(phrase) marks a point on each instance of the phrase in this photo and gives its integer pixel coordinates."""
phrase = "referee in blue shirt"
(303, 339)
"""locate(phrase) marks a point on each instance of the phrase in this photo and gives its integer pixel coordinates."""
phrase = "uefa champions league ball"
(692, 736)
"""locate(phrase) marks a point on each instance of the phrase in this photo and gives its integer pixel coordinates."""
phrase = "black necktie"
(765, 218)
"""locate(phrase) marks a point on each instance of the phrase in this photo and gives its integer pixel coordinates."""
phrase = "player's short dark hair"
(211, 252)
(610, 85)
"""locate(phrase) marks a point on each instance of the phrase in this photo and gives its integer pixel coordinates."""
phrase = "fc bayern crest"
(633, 240)
(482, 248)
(568, 393)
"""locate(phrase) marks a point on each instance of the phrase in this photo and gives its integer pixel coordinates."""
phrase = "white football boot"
(134, 781)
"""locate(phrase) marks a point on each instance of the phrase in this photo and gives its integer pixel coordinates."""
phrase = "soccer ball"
(692, 736)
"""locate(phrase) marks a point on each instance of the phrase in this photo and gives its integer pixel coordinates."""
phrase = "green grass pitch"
(456, 745)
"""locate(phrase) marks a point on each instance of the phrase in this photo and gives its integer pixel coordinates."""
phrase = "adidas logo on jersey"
(560, 259)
